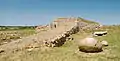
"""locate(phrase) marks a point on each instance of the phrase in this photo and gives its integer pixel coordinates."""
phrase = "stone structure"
(61, 28)
(41, 28)
(77, 25)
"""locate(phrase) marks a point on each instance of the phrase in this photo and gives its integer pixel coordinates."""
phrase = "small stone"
(104, 43)
(29, 50)
(5, 42)
(2, 50)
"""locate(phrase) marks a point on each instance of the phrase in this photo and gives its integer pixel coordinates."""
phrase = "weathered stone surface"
(76, 27)
(2, 50)
(90, 45)
(100, 33)
(104, 43)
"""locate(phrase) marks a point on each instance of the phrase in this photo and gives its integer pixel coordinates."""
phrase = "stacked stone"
(60, 39)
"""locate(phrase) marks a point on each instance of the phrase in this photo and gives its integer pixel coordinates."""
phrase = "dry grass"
(11, 35)
(69, 51)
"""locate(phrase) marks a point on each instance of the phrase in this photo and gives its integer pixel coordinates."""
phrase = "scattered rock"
(29, 50)
(2, 50)
(5, 42)
(104, 43)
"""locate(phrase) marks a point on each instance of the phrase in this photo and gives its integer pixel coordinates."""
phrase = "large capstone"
(89, 45)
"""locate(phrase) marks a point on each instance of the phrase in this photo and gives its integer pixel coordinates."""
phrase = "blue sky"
(36, 12)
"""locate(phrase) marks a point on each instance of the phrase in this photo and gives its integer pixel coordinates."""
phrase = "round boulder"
(89, 45)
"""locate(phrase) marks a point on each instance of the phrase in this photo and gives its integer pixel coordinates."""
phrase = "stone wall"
(41, 28)
(52, 37)
(61, 38)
